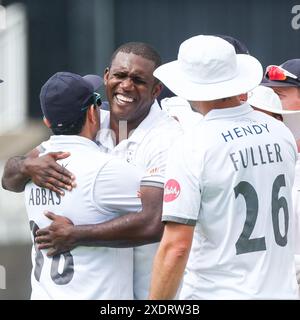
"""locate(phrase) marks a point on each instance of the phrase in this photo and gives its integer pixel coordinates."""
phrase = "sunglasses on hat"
(277, 73)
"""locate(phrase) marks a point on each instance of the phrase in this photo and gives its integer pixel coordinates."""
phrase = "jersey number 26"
(244, 243)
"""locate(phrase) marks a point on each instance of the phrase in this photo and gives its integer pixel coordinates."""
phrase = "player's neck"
(88, 132)
(204, 107)
(123, 128)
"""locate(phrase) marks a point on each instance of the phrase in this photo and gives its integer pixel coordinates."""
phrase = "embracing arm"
(43, 171)
(15, 176)
(132, 229)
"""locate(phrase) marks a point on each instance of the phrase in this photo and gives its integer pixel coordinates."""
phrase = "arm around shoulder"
(15, 175)
(118, 186)
(44, 171)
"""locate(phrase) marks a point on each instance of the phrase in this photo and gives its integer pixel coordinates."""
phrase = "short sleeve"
(182, 193)
(157, 155)
(116, 188)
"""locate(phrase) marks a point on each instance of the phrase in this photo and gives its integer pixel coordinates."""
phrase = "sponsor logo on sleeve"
(172, 190)
(153, 171)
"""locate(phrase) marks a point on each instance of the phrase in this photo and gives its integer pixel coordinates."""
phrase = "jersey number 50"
(59, 278)
(244, 243)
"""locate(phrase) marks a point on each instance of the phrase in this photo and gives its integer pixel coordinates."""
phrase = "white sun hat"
(266, 99)
(207, 68)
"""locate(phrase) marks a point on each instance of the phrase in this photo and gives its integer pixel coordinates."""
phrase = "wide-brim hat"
(208, 68)
(266, 99)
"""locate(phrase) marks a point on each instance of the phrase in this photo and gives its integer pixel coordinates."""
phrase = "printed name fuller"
(254, 156)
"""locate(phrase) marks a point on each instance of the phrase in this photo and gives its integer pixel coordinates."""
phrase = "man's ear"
(157, 89)
(46, 122)
(92, 114)
(106, 73)
(243, 97)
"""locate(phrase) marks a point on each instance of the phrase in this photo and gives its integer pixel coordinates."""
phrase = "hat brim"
(249, 76)
(270, 83)
(266, 108)
(93, 80)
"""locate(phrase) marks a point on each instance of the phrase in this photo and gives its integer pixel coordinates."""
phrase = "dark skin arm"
(43, 171)
(132, 229)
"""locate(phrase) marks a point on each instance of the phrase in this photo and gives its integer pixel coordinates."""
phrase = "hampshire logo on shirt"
(172, 190)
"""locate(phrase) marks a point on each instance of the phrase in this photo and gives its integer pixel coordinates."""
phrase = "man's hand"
(43, 171)
(57, 237)
(47, 173)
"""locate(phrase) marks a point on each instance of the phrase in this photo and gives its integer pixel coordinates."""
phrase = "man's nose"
(127, 84)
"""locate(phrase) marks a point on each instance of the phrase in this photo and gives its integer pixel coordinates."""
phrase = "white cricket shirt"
(107, 187)
(232, 178)
(147, 147)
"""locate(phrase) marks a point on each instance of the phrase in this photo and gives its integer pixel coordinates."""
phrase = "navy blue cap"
(292, 66)
(65, 94)
(240, 47)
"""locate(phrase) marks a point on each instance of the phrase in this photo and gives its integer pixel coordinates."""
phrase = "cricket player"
(107, 187)
(227, 201)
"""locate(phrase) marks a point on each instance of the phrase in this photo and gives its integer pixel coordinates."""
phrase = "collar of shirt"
(71, 140)
(105, 135)
(228, 112)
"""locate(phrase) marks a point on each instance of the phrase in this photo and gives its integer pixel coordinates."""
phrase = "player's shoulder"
(171, 102)
(165, 133)
(166, 125)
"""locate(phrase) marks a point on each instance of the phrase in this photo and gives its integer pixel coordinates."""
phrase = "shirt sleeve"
(157, 155)
(116, 188)
(182, 193)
